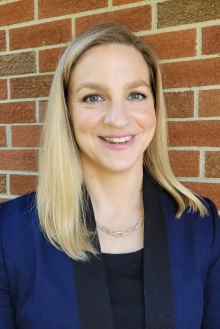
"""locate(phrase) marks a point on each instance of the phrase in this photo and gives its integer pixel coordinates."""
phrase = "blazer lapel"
(158, 288)
(94, 308)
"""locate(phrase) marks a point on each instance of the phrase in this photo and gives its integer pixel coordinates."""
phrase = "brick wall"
(186, 35)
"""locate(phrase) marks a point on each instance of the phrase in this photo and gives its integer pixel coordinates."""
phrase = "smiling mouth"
(121, 140)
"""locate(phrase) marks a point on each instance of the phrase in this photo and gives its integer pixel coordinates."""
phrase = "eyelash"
(92, 103)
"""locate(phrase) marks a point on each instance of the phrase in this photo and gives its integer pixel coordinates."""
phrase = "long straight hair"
(61, 200)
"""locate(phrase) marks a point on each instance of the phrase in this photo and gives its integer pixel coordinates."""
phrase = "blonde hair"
(61, 199)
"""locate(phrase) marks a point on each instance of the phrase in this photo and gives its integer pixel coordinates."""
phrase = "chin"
(119, 167)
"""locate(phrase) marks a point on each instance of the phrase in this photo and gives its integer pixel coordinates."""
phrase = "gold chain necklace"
(121, 233)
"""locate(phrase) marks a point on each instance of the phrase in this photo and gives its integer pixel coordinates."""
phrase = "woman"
(111, 239)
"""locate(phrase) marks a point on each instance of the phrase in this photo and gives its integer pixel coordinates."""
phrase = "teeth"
(118, 140)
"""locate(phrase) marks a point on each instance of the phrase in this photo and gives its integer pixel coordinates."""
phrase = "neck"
(116, 197)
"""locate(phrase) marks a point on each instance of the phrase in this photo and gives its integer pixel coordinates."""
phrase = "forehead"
(121, 61)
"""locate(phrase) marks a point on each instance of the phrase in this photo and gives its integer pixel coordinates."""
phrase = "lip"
(118, 147)
(117, 136)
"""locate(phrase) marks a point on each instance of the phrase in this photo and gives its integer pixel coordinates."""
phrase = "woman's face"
(112, 107)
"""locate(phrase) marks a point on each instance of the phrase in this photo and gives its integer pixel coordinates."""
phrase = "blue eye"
(95, 98)
(137, 98)
(91, 99)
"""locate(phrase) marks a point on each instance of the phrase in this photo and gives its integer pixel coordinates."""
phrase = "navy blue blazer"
(42, 288)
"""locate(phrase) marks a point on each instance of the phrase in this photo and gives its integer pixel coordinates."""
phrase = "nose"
(117, 115)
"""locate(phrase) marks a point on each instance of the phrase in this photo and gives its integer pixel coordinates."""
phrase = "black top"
(124, 274)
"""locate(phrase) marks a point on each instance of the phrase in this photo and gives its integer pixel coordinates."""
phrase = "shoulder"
(18, 203)
(17, 209)
(18, 217)
(169, 204)
(203, 231)
(211, 207)
(191, 220)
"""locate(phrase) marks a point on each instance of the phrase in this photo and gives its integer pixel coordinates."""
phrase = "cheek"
(146, 118)
(84, 121)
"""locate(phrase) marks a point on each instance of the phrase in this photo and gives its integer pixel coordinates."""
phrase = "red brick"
(28, 87)
(21, 184)
(26, 136)
(2, 41)
(212, 164)
(179, 104)
(16, 12)
(211, 40)
(194, 133)
(48, 8)
(209, 101)
(49, 58)
(2, 183)
(201, 72)
(17, 112)
(19, 160)
(41, 34)
(173, 44)
(3, 89)
(208, 190)
(42, 112)
(136, 19)
(181, 163)
(123, 2)
(2, 136)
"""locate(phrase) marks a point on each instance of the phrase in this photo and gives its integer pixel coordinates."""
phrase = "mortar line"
(199, 180)
(4, 2)
(19, 172)
(194, 119)
(7, 183)
(8, 88)
(22, 148)
(37, 61)
(17, 100)
(73, 28)
(8, 196)
(37, 111)
(7, 40)
(26, 75)
(189, 58)
(198, 42)
(193, 148)
(202, 164)
(154, 17)
(209, 87)
(36, 9)
(196, 103)
(8, 135)
(23, 124)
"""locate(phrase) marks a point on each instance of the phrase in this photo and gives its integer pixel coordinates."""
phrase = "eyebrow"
(94, 85)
